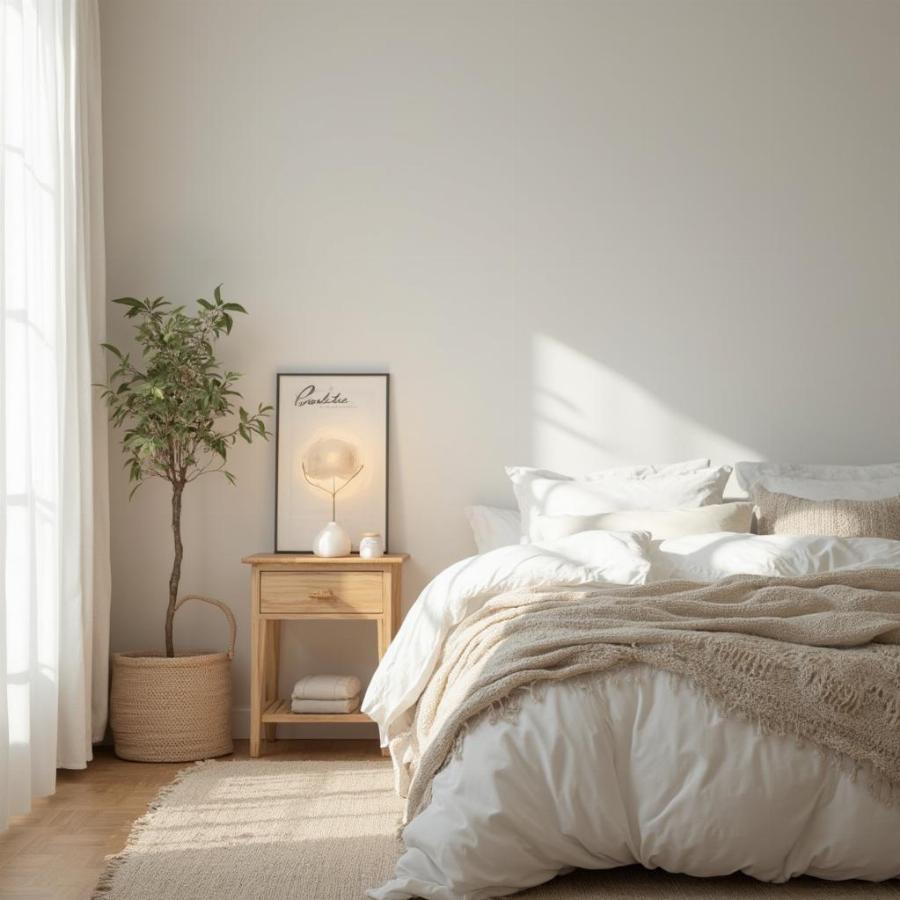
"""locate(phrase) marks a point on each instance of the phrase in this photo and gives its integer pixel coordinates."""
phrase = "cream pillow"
(661, 523)
(785, 514)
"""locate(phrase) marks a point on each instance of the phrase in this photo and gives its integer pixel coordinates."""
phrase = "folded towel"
(347, 705)
(326, 687)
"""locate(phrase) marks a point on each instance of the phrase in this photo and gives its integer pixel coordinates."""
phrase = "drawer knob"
(327, 594)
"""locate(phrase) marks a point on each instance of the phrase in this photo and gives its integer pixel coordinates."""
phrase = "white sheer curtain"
(54, 540)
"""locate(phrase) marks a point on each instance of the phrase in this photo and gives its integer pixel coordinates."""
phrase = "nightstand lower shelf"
(279, 713)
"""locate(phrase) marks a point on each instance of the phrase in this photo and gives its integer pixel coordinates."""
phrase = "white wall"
(575, 233)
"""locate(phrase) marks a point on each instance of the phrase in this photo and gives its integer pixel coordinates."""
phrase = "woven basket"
(177, 709)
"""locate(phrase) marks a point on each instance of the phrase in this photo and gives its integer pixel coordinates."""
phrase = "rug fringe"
(114, 862)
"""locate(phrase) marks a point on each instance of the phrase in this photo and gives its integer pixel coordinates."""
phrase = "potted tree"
(171, 402)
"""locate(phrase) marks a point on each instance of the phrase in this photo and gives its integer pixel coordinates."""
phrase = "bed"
(637, 764)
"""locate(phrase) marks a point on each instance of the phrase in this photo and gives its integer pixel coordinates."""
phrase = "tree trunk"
(175, 579)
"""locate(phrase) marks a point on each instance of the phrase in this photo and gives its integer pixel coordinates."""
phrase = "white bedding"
(592, 558)
(636, 767)
(710, 557)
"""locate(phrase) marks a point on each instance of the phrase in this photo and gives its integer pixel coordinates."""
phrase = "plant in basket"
(176, 405)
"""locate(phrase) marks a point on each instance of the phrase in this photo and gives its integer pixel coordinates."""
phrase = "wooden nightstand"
(304, 588)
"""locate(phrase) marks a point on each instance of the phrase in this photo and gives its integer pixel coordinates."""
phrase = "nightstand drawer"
(321, 592)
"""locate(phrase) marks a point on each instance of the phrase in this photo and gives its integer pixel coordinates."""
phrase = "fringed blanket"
(816, 658)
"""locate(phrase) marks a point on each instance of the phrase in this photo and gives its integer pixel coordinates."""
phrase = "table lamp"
(336, 461)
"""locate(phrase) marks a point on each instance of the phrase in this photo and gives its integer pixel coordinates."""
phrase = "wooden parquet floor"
(58, 851)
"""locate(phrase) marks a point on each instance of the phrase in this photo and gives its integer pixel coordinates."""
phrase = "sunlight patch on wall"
(586, 416)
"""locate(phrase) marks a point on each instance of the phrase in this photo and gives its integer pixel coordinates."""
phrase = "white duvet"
(639, 767)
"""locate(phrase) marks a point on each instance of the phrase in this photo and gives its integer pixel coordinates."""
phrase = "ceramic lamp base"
(332, 540)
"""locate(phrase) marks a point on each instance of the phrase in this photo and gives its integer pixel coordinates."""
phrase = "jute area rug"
(264, 830)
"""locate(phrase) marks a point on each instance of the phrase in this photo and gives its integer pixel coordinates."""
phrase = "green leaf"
(172, 401)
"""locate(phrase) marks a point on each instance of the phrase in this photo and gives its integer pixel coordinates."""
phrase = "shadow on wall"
(582, 412)
(586, 416)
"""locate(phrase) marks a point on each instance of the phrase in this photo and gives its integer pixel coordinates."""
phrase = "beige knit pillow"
(785, 514)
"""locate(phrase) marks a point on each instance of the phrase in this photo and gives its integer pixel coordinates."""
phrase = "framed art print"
(331, 457)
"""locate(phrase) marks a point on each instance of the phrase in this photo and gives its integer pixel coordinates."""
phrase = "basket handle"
(229, 615)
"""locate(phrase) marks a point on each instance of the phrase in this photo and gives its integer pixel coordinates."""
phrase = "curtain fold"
(54, 515)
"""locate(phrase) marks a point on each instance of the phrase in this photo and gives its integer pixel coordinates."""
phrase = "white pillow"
(679, 468)
(661, 523)
(815, 482)
(493, 526)
(709, 557)
(539, 492)
(831, 489)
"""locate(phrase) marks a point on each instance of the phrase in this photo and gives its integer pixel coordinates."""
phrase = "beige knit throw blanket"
(815, 658)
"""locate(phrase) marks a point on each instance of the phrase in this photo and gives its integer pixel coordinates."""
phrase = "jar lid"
(371, 534)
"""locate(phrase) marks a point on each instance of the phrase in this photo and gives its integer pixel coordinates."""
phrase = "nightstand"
(304, 588)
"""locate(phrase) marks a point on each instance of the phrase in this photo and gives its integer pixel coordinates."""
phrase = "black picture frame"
(279, 380)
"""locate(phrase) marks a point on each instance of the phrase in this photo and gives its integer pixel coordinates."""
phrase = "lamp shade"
(331, 458)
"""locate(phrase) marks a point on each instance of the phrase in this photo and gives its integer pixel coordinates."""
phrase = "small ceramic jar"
(371, 545)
